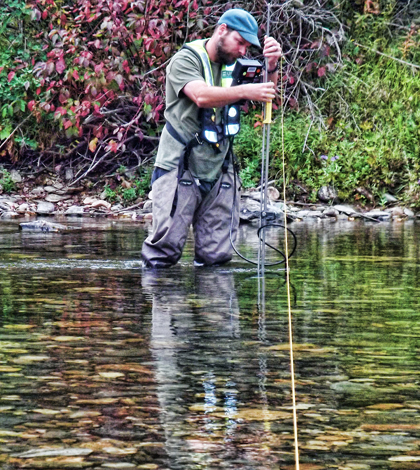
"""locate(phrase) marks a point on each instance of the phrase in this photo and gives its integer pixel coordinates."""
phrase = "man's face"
(231, 46)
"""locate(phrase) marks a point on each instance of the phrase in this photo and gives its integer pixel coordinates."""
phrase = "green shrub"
(6, 181)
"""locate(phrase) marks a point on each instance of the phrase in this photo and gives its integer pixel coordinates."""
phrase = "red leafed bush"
(101, 72)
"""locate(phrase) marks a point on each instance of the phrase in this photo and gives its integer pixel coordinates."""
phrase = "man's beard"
(223, 57)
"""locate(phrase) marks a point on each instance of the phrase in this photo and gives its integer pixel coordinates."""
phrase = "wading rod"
(265, 158)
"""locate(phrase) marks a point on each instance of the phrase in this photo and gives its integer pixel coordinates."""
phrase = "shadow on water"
(103, 365)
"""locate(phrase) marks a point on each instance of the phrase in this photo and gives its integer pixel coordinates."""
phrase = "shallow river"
(104, 365)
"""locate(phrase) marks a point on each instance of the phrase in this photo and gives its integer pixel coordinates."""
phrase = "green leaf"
(4, 133)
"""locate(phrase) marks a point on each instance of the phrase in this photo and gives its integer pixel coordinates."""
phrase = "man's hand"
(272, 52)
(260, 91)
(205, 96)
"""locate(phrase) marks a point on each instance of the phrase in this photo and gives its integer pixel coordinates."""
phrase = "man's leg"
(163, 248)
(213, 221)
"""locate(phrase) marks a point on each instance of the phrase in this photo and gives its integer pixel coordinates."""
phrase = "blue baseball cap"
(242, 22)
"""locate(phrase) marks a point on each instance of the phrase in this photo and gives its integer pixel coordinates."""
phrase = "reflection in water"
(103, 365)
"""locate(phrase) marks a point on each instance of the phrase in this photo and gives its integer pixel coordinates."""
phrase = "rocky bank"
(56, 198)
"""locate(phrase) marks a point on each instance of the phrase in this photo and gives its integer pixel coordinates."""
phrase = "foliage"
(6, 181)
(16, 78)
(84, 79)
(127, 187)
(89, 80)
(370, 137)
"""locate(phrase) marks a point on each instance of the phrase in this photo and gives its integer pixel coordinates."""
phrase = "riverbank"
(51, 196)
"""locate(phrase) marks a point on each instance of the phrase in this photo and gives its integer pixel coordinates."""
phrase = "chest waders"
(179, 201)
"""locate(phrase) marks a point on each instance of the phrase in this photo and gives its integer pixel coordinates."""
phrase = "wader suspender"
(184, 160)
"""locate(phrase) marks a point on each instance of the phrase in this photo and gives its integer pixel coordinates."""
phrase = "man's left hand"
(272, 51)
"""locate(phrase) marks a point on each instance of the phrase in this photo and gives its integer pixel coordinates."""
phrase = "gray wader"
(178, 204)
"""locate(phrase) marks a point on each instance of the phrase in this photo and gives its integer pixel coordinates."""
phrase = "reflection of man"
(194, 339)
(193, 180)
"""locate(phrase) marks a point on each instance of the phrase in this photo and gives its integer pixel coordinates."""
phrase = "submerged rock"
(41, 226)
(57, 452)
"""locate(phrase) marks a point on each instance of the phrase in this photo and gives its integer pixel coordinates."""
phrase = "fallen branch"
(388, 56)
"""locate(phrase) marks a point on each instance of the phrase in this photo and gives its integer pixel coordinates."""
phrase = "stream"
(105, 365)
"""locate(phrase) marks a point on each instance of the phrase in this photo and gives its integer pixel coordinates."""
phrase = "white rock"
(95, 203)
(15, 176)
(23, 207)
(74, 210)
(348, 210)
(408, 212)
(56, 198)
(45, 207)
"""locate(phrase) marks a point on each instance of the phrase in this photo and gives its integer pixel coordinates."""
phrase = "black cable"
(259, 232)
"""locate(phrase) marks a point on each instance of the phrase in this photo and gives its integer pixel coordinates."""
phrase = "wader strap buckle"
(197, 136)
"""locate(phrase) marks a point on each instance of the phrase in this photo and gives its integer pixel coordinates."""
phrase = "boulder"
(348, 210)
(96, 203)
(56, 197)
(408, 212)
(9, 215)
(396, 211)
(45, 208)
(74, 211)
(15, 176)
(390, 198)
(148, 206)
(327, 194)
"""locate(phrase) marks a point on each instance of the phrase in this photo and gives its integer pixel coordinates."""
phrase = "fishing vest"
(211, 131)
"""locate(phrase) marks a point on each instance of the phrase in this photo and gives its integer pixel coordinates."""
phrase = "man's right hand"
(259, 91)
(205, 96)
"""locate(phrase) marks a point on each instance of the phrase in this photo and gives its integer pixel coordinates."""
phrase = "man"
(194, 182)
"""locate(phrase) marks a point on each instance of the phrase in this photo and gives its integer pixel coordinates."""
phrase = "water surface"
(104, 365)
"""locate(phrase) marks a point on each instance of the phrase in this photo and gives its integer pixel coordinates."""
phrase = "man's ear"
(222, 29)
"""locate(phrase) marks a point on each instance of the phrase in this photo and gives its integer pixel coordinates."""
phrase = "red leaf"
(67, 124)
(321, 72)
(60, 65)
(44, 14)
(10, 76)
(1, 69)
(291, 80)
(99, 67)
(38, 91)
(112, 146)
(126, 66)
(75, 75)
(31, 105)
